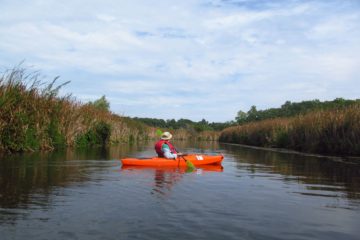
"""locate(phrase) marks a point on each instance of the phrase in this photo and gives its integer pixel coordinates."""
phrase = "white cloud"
(105, 17)
(237, 19)
(212, 59)
(335, 27)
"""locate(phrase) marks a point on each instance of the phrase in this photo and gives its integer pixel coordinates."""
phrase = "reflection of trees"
(28, 180)
(306, 169)
(24, 178)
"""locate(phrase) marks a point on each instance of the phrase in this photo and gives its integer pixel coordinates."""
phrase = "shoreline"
(290, 151)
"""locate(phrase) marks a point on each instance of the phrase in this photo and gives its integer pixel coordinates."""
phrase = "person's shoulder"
(165, 145)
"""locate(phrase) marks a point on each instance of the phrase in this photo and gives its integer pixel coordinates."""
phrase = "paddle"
(159, 132)
(189, 164)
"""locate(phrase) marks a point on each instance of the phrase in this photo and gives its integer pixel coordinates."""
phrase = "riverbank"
(330, 132)
(34, 117)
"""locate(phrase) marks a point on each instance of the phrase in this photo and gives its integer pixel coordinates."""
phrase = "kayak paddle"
(189, 164)
(159, 132)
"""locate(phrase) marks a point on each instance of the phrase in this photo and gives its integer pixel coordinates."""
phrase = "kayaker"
(164, 148)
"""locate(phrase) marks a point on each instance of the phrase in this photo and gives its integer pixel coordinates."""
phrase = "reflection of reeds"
(33, 116)
(328, 132)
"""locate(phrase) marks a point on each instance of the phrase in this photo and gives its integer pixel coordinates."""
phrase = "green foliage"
(57, 138)
(31, 140)
(187, 124)
(98, 135)
(203, 125)
(282, 139)
(101, 104)
(289, 109)
(131, 138)
(241, 117)
(26, 105)
(253, 114)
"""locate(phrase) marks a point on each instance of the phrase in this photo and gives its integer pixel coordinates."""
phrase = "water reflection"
(165, 178)
(317, 173)
(23, 175)
(164, 181)
(32, 180)
(260, 194)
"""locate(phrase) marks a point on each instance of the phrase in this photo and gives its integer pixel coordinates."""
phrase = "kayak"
(202, 168)
(196, 159)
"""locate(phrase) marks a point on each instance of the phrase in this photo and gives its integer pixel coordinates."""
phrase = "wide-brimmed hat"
(166, 136)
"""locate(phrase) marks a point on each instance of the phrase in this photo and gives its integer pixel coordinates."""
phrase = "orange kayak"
(203, 168)
(196, 159)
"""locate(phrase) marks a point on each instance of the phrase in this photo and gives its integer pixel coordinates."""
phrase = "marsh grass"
(331, 132)
(34, 117)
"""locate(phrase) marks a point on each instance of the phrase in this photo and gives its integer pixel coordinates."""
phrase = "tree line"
(182, 123)
(290, 109)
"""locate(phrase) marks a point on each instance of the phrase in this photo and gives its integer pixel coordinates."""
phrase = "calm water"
(259, 194)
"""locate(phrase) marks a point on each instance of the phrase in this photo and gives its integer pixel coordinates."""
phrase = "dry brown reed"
(331, 132)
(186, 134)
(34, 117)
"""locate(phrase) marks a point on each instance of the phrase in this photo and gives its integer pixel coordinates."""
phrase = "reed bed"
(187, 134)
(330, 132)
(34, 117)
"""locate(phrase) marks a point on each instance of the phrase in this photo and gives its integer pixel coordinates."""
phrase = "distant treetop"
(289, 109)
(101, 104)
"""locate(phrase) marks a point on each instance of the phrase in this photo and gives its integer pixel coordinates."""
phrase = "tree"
(202, 125)
(101, 104)
(241, 117)
(253, 114)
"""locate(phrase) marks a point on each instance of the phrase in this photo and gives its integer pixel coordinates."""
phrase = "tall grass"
(34, 117)
(335, 132)
(187, 134)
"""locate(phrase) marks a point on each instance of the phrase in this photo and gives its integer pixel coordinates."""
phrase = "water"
(259, 194)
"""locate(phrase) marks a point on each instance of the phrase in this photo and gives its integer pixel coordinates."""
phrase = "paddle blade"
(159, 132)
(189, 164)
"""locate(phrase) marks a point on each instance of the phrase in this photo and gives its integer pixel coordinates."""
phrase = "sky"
(193, 59)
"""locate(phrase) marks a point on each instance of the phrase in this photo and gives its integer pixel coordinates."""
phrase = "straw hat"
(166, 136)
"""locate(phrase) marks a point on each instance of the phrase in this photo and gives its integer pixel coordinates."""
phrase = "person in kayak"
(164, 148)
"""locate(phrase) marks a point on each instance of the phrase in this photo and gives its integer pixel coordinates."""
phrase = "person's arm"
(167, 153)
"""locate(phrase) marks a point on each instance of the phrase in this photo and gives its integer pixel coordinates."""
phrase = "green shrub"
(57, 138)
(98, 135)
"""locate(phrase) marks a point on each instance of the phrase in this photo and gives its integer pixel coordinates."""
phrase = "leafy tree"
(252, 114)
(241, 117)
(101, 104)
(202, 125)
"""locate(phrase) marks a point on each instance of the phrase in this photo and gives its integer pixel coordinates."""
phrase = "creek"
(258, 194)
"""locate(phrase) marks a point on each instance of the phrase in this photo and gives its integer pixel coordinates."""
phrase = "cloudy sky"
(188, 59)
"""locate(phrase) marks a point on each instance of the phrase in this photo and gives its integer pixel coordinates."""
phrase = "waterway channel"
(257, 194)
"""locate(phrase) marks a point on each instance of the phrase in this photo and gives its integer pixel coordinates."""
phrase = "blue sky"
(188, 59)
